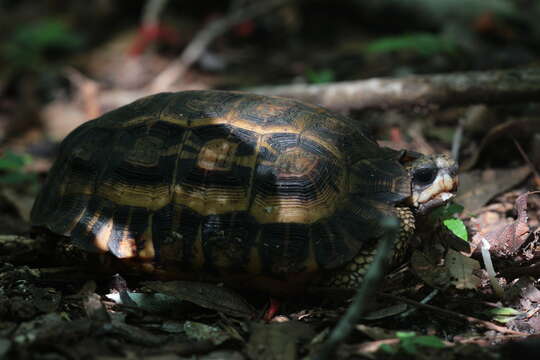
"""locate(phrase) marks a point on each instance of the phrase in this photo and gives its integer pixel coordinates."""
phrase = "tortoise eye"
(424, 176)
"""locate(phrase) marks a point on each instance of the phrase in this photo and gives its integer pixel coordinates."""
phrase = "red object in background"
(244, 29)
(153, 34)
(272, 310)
(488, 24)
(395, 135)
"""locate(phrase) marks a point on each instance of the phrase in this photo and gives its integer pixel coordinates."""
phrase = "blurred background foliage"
(39, 36)
(36, 46)
(62, 62)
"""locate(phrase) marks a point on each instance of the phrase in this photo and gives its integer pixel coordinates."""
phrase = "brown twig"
(526, 158)
(471, 319)
(490, 87)
(178, 67)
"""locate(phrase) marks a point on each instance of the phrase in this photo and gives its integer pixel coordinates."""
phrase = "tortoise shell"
(222, 182)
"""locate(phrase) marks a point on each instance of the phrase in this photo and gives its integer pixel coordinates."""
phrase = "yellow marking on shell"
(91, 223)
(207, 201)
(112, 122)
(151, 197)
(148, 252)
(279, 209)
(233, 119)
(145, 152)
(101, 240)
(253, 166)
(173, 149)
(217, 155)
(270, 209)
(74, 222)
(79, 189)
(178, 150)
(295, 162)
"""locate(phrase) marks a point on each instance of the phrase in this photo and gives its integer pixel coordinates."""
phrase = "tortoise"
(250, 190)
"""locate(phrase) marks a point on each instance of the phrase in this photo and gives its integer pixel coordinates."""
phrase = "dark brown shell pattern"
(221, 181)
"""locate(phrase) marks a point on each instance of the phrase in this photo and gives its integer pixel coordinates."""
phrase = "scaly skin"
(350, 276)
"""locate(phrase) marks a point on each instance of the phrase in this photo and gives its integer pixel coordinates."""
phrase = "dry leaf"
(277, 341)
(457, 270)
(209, 296)
(95, 310)
(461, 270)
(429, 269)
(506, 239)
(200, 331)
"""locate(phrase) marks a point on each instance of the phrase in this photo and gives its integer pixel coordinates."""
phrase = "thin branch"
(489, 87)
(453, 314)
(526, 158)
(370, 282)
(196, 48)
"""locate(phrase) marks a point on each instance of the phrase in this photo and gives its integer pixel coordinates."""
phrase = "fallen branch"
(489, 87)
(196, 48)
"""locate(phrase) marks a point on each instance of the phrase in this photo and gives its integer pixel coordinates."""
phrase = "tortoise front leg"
(350, 276)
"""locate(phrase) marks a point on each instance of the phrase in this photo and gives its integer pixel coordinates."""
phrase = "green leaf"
(425, 44)
(31, 43)
(408, 346)
(12, 161)
(320, 76)
(457, 227)
(429, 341)
(503, 315)
(16, 178)
(388, 349)
(504, 311)
(405, 334)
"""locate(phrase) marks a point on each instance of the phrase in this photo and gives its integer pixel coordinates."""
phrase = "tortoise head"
(434, 181)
